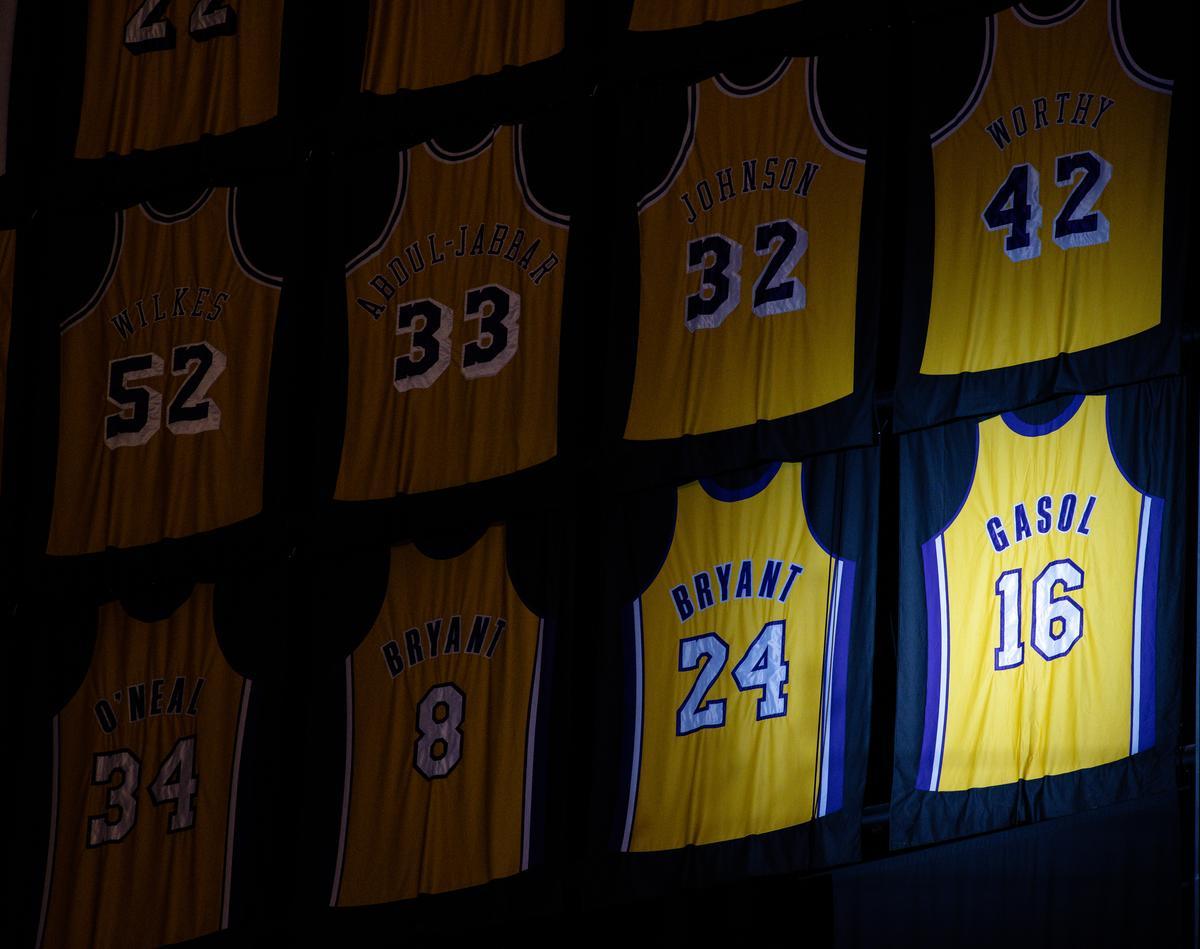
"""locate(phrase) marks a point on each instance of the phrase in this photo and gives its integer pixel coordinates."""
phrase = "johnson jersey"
(740, 648)
(1048, 196)
(159, 73)
(442, 702)
(749, 262)
(8, 257)
(657, 15)
(454, 316)
(1041, 600)
(422, 43)
(146, 758)
(163, 384)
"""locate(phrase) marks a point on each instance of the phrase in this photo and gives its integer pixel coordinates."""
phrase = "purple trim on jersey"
(1032, 430)
(836, 776)
(729, 87)
(113, 259)
(685, 149)
(1136, 73)
(933, 665)
(985, 75)
(1147, 706)
(719, 493)
(1036, 19)
(631, 620)
(824, 132)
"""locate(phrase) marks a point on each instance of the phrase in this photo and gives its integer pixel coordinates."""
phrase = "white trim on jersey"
(1036, 19)
(1135, 718)
(450, 157)
(531, 202)
(341, 851)
(233, 792)
(174, 217)
(1135, 72)
(985, 75)
(831, 647)
(824, 132)
(935, 773)
(393, 218)
(113, 259)
(530, 747)
(681, 157)
(637, 724)
(731, 88)
(46, 885)
(239, 252)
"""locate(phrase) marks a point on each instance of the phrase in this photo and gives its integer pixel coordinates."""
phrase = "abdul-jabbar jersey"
(415, 44)
(8, 257)
(749, 263)
(740, 646)
(657, 15)
(146, 758)
(163, 384)
(442, 704)
(1048, 196)
(159, 73)
(1041, 598)
(454, 315)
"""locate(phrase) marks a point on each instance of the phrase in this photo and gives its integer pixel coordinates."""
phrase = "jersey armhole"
(981, 81)
(1116, 457)
(662, 560)
(824, 133)
(239, 252)
(109, 273)
(685, 149)
(393, 217)
(1135, 72)
(966, 493)
(530, 199)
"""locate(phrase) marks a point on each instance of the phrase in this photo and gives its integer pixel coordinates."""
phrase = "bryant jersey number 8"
(149, 29)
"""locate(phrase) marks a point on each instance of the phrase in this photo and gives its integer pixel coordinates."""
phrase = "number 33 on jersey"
(749, 255)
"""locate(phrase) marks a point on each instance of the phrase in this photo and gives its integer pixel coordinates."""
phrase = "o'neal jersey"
(454, 315)
(740, 648)
(146, 760)
(441, 719)
(8, 258)
(1048, 196)
(163, 385)
(749, 263)
(161, 74)
(420, 43)
(656, 15)
(1041, 604)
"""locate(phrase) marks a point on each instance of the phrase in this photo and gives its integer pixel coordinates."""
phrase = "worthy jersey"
(145, 785)
(454, 317)
(749, 262)
(1041, 605)
(740, 647)
(414, 44)
(666, 15)
(1048, 196)
(163, 384)
(159, 73)
(441, 716)
(8, 257)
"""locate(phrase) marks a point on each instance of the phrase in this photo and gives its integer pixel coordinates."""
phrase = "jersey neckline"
(719, 492)
(1032, 430)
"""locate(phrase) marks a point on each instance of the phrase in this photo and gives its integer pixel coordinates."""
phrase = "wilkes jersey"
(146, 760)
(442, 704)
(749, 263)
(1041, 600)
(8, 256)
(159, 73)
(740, 647)
(1048, 196)
(415, 44)
(660, 15)
(163, 384)
(454, 315)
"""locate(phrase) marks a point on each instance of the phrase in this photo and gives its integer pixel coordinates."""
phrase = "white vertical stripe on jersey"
(341, 851)
(530, 744)
(637, 722)
(935, 776)
(1135, 718)
(233, 790)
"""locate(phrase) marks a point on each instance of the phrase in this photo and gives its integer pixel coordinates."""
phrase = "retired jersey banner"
(748, 661)
(1039, 659)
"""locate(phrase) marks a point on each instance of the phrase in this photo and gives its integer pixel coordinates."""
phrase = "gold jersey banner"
(442, 706)
(741, 646)
(160, 73)
(668, 15)
(163, 385)
(414, 44)
(749, 263)
(146, 757)
(454, 315)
